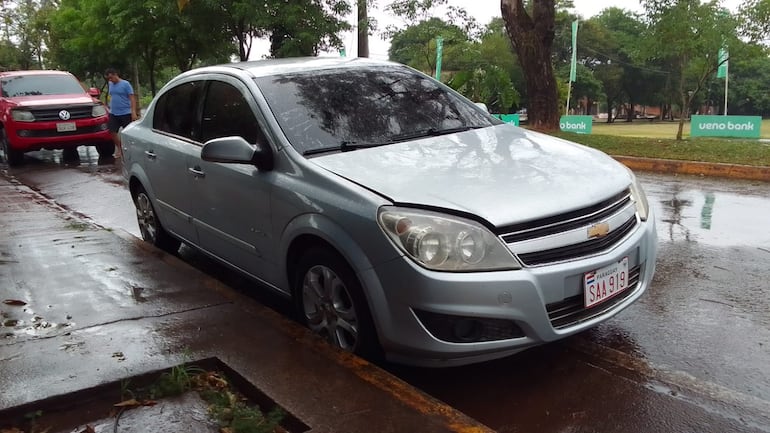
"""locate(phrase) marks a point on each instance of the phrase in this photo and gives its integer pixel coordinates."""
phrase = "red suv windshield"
(36, 85)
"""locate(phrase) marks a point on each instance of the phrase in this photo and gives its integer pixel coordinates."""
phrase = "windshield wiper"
(344, 146)
(431, 132)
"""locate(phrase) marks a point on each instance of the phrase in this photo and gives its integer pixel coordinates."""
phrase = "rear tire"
(13, 157)
(330, 301)
(149, 224)
(105, 150)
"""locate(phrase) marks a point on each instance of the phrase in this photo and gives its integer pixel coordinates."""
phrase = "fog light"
(103, 127)
(465, 329)
(23, 133)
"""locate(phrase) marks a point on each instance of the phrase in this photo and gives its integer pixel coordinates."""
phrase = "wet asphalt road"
(693, 355)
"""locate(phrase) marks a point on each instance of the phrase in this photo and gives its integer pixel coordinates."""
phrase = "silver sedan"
(402, 219)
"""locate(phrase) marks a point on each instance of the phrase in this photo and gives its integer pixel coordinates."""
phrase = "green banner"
(573, 62)
(578, 124)
(508, 118)
(723, 61)
(725, 126)
(439, 55)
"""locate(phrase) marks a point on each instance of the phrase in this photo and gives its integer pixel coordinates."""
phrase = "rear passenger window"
(226, 113)
(176, 110)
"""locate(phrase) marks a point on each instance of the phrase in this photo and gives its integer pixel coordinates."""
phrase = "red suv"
(49, 110)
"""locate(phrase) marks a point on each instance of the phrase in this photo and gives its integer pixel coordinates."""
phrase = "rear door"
(176, 121)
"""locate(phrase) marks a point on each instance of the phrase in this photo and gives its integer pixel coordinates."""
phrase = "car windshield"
(346, 109)
(38, 85)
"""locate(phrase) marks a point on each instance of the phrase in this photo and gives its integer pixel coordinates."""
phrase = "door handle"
(197, 172)
(150, 154)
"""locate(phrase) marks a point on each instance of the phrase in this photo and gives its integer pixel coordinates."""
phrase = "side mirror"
(93, 91)
(236, 150)
(482, 105)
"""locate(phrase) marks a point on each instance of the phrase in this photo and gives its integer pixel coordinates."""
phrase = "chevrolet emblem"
(598, 230)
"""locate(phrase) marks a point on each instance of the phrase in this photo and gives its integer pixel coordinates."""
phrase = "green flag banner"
(723, 61)
(439, 55)
(573, 63)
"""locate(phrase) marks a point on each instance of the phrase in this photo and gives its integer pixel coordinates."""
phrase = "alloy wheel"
(145, 216)
(328, 307)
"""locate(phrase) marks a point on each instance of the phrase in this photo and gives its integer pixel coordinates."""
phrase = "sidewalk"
(101, 306)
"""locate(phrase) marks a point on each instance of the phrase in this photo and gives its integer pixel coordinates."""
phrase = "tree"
(532, 37)
(749, 81)
(416, 45)
(79, 40)
(363, 28)
(305, 27)
(756, 23)
(689, 35)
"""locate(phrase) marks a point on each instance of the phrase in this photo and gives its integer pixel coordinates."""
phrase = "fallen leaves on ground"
(212, 379)
(15, 303)
(135, 403)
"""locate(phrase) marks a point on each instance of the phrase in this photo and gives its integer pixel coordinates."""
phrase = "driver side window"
(226, 112)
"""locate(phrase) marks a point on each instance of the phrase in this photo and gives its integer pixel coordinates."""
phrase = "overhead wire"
(644, 68)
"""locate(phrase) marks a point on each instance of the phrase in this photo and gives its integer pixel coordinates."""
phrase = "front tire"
(149, 224)
(14, 158)
(330, 301)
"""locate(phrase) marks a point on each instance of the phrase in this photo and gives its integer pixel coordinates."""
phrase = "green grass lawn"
(653, 129)
(658, 140)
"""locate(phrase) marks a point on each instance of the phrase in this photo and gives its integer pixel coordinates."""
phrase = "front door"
(232, 201)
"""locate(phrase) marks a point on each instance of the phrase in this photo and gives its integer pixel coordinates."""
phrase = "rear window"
(38, 85)
(321, 109)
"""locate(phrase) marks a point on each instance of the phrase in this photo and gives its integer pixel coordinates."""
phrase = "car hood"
(49, 100)
(503, 173)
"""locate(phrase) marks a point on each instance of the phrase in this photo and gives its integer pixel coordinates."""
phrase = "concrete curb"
(733, 171)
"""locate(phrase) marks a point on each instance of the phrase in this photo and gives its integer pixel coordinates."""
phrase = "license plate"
(65, 127)
(604, 283)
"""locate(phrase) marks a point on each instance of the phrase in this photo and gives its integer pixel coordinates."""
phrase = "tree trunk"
(137, 85)
(532, 38)
(363, 29)
(684, 112)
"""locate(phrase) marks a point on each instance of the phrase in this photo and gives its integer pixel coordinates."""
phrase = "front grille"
(52, 114)
(581, 249)
(567, 236)
(566, 221)
(571, 311)
(46, 133)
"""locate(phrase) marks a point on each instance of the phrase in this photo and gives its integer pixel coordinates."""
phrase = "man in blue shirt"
(122, 104)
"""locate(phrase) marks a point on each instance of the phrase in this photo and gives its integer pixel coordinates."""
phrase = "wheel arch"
(310, 230)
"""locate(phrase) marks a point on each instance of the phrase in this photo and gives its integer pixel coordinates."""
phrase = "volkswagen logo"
(64, 115)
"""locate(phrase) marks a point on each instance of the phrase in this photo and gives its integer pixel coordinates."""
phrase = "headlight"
(445, 242)
(22, 116)
(642, 207)
(98, 111)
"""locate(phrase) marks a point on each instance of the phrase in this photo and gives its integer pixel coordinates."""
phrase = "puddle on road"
(722, 213)
(24, 320)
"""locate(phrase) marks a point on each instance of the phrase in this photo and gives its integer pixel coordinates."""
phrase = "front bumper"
(404, 297)
(27, 137)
